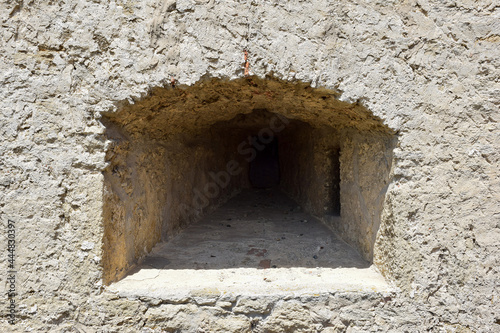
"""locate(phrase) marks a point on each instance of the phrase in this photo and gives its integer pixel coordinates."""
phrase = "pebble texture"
(427, 69)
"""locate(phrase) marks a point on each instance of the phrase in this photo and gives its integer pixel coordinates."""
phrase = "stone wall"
(427, 69)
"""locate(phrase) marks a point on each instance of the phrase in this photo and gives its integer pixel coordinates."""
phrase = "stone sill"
(206, 287)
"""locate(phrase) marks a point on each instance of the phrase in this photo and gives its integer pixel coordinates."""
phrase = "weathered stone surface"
(428, 69)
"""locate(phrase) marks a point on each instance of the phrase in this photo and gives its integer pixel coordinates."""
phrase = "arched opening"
(203, 165)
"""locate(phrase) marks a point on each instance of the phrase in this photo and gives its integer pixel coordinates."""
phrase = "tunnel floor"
(258, 242)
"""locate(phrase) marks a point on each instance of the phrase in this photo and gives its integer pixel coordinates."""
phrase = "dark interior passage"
(264, 169)
(334, 184)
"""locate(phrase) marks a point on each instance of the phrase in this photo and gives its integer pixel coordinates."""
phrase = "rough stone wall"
(134, 196)
(366, 162)
(429, 69)
(297, 148)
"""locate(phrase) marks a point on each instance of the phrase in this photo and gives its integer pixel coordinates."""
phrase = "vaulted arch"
(180, 152)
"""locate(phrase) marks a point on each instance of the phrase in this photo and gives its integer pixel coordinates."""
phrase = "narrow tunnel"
(246, 173)
(264, 170)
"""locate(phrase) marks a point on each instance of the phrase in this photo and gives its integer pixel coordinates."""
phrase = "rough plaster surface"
(428, 69)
